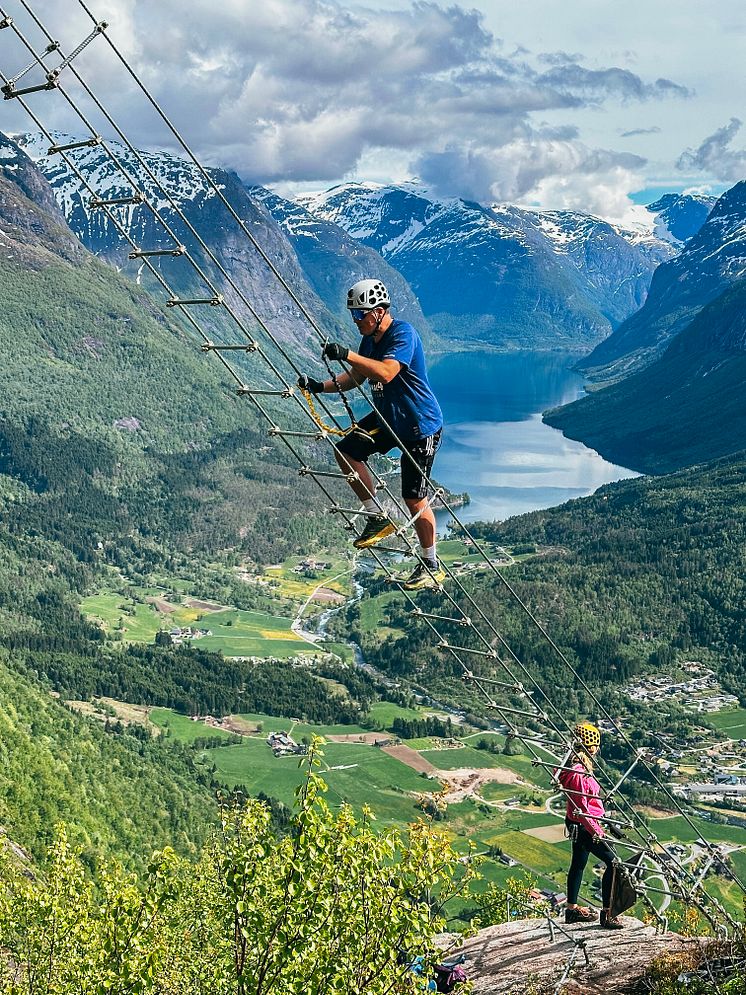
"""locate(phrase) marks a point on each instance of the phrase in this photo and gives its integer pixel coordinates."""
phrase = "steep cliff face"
(84, 348)
(712, 260)
(187, 191)
(687, 407)
(33, 227)
(502, 275)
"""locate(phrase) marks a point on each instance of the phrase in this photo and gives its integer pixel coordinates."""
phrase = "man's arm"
(376, 370)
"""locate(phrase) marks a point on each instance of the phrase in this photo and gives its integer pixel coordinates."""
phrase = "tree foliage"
(330, 906)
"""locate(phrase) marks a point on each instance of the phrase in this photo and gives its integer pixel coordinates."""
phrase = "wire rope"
(478, 681)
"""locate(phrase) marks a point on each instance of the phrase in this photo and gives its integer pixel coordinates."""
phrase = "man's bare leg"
(425, 524)
(378, 525)
(363, 486)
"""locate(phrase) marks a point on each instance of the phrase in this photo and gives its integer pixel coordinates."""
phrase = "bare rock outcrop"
(519, 958)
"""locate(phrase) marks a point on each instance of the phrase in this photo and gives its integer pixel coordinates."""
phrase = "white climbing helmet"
(368, 294)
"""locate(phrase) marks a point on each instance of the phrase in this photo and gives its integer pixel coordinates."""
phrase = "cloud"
(715, 156)
(535, 168)
(655, 130)
(303, 91)
(597, 85)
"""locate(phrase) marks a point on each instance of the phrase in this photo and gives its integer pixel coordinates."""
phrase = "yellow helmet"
(588, 734)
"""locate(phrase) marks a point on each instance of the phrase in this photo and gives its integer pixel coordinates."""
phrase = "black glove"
(311, 385)
(616, 832)
(335, 350)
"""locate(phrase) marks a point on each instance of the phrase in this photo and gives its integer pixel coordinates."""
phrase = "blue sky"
(557, 103)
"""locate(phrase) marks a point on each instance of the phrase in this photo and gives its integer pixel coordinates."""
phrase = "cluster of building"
(283, 745)
(179, 635)
(311, 564)
(701, 691)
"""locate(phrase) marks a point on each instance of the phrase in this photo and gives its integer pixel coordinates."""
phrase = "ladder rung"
(180, 302)
(135, 198)
(178, 250)
(516, 685)
(248, 391)
(483, 680)
(10, 91)
(306, 471)
(90, 143)
(521, 711)
(337, 510)
(275, 430)
(492, 654)
(217, 347)
(441, 618)
(401, 550)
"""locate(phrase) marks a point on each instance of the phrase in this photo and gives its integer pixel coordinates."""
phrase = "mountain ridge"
(712, 260)
(502, 275)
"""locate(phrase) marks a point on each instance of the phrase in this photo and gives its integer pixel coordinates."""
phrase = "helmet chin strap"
(377, 327)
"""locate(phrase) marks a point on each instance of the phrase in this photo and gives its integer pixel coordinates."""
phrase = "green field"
(249, 633)
(465, 756)
(383, 713)
(132, 621)
(369, 777)
(731, 722)
(234, 632)
(535, 854)
(182, 728)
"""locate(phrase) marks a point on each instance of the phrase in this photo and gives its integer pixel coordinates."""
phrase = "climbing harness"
(485, 648)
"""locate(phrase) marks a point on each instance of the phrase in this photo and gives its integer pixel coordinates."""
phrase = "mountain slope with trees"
(687, 407)
(640, 574)
(711, 262)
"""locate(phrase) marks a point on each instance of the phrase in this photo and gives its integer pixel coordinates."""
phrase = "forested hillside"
(643, 573)
(117, 793)
(687, 407)
(123, 450)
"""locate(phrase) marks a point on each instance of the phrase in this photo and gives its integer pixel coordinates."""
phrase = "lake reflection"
(495, 445)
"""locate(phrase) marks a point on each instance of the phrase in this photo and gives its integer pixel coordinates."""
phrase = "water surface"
(495, 445)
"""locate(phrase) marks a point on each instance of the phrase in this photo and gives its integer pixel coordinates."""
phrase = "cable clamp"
(6, 22)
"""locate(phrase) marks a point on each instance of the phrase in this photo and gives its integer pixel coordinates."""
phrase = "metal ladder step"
(90, 143)
(178, 250)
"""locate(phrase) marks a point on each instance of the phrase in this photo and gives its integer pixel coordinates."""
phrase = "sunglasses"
(358, 313)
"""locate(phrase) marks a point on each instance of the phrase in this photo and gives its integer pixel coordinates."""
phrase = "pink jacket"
(583, 798)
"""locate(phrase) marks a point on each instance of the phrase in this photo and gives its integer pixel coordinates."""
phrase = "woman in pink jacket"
(584, 807)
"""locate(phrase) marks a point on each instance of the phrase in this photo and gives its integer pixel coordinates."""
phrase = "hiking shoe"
(425, 574)
(610, 922)
(580, 915)
(376, 529)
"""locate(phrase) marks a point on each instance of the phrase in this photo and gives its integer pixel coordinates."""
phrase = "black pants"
(583, 845)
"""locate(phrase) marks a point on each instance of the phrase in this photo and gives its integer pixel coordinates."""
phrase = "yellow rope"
(317, 417)
(330, 429)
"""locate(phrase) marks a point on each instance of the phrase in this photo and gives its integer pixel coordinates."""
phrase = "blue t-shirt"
(407, 402)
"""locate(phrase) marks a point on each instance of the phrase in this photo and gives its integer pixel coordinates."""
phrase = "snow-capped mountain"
(711, 261)
(506, 275)
(333, 260)
(678, 217)
(172, 185)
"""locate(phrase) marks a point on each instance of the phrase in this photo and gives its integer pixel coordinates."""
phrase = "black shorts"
(378, 439)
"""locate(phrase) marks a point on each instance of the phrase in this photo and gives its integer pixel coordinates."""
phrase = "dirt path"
(411, 758)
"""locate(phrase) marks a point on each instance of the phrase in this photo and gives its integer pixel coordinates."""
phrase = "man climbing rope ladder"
(392, 359)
